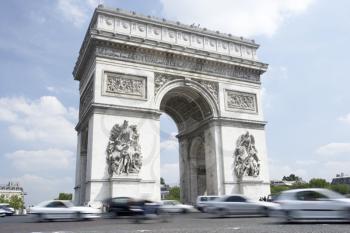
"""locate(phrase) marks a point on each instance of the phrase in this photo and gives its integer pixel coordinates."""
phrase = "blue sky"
(305, 90)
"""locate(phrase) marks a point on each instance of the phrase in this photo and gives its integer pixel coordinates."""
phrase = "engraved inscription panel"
(124, 85)
(240, 101)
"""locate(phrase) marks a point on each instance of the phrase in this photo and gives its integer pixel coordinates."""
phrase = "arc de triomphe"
(131, 69)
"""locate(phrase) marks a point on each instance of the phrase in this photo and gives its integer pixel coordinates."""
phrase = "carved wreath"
(123, 150)
(246, 161)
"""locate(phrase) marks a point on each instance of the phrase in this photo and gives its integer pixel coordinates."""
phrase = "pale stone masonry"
(131, 69)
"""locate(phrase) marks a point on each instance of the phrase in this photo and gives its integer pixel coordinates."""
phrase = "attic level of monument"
(111, 28)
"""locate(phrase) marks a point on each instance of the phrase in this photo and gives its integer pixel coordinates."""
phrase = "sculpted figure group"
(123, 150)
(246, 158)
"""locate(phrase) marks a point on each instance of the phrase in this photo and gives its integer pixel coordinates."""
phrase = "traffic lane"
(200, 223)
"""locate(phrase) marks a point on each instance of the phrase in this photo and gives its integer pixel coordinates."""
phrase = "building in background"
(341, 179)
(11, 189)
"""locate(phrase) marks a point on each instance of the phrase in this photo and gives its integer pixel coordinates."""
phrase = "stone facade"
(132, 68)
(11, 189)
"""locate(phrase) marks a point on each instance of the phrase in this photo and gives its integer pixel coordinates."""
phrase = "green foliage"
(15, 202)
(291, 177)
(313, 183)
(299, 185)
(278, 189)
(318, 183)
(162, 180)
(341, 188)
(174, 193)
(65, 196)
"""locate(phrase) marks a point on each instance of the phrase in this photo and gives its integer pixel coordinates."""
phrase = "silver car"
(202, 201)
(314, 204)
(239, 205)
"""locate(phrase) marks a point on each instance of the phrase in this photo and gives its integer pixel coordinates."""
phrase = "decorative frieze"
(124, 85)
(240, 101)
(166, 33)
(246, 161)
(86, 98)
(167, 60)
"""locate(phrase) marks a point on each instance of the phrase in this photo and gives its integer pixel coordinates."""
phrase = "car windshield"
(68, 203)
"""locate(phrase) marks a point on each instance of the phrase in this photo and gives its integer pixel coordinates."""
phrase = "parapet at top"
(119, 21)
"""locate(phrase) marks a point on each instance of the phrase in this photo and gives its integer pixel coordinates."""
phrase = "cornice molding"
(129, 27)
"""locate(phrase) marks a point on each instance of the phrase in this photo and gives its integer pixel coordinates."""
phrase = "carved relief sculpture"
(123, 150)
(240, 101)
(124, 85)
(159, 81)
(246, 161)
(212, 87)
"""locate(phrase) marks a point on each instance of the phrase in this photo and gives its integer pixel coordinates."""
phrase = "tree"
(162, 181)
(16, 202)
(318, 183)
(278, 189)
(65, 196)
(291, 177)
(341, 188)
(174, 193)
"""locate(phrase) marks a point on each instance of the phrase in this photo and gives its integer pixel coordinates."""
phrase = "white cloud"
(171, 143)
(77, 11)
(238, 17)
(345, 119)
(45, 120)
(39, 189)
(334, 148)
(306, 162)
(51, 88)
(278, 169)
(170, 173)
(41, 160)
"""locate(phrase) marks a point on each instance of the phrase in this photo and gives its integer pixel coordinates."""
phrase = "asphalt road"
(198, 223)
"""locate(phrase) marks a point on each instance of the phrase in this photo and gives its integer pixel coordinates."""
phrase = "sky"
(305, 90)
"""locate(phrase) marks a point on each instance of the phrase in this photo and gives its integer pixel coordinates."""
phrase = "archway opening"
(188, 109)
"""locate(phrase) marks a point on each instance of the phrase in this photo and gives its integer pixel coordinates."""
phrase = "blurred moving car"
(59, 209)
(127, 206)
(313, 203)
(173, 206)
(202, 201)
(238, 204)
(8, 210)
(2, 213)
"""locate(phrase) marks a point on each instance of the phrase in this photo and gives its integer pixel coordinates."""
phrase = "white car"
(313, 203)
(58, 209)
(173, 206)
(202, 201)
(239, 205)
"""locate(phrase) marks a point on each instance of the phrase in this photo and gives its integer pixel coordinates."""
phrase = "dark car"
(127, 206)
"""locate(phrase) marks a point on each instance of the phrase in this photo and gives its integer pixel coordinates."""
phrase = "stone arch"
(185, 90)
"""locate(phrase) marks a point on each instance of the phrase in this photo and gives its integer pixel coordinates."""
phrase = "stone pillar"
(101, 183)
(184, 170)
(213, 160)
